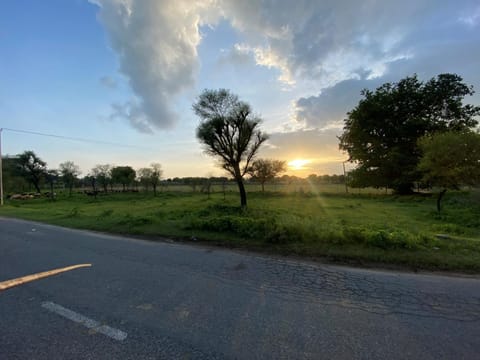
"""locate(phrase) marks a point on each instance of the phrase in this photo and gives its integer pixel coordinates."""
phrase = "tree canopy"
(381, 133)
(31, 167)
(124, 175)
(265, 170)
(230, 132)
(450, 160)
(151, 176)
(103, 175)
(70, 173)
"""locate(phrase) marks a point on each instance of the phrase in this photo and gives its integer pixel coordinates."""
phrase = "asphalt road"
(150, 300)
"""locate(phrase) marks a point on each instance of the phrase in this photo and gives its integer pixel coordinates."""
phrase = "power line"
(73, 138)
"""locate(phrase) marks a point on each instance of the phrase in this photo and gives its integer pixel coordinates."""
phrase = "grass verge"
(352, 228)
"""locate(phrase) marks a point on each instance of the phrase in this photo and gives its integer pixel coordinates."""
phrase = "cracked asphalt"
(178, 301)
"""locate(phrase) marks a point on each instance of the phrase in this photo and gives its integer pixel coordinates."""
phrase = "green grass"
(364, 228)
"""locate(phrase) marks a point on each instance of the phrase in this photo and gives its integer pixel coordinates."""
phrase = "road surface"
(160, 300)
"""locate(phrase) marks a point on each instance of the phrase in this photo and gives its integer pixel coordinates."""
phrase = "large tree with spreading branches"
(381, 133)
(230, 132)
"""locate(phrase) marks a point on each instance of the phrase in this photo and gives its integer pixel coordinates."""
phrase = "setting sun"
(298, 164)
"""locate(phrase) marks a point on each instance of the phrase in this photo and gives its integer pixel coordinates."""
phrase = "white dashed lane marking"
(85, 321)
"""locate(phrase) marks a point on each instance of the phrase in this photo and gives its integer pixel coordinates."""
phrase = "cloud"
(133, 112)
(432, 57)
(239, 54)
(329, 108)
(108, 82)
(155, 42)
(471, 18)
(329, 49)
(243, 54)
(329, 41)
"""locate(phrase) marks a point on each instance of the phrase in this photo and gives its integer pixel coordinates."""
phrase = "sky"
(125, 73)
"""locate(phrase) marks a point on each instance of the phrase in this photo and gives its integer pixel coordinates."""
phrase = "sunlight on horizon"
(298, 164)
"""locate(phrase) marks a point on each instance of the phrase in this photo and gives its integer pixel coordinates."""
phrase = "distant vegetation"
(107, 178)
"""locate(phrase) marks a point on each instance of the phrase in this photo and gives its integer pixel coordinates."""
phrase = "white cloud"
(329, 41)
(471, 18)
(241, 53)
(156, 44)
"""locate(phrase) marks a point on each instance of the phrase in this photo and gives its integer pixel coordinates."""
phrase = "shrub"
(243, 226)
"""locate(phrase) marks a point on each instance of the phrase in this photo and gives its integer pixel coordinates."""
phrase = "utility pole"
(345, 177)
(1, 170)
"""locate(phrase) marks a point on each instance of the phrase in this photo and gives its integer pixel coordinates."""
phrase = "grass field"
(370, 227)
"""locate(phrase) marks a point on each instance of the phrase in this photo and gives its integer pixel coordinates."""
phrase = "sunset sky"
(125, 73)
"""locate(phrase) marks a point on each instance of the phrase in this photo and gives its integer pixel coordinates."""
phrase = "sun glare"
(298, 164)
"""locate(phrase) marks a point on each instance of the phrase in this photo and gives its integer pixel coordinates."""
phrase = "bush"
(105, 213)
(238, 225)
(132, 221)
(391, 240)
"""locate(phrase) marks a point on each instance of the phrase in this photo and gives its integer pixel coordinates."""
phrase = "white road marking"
(85, 321)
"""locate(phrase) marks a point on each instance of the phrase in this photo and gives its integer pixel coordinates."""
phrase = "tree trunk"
(36, 184)
(263, 186)
(154, 190)
(403, 189)
(439, 199)
(241, 186)
(70, 190)
(243, 194)
(52, 197)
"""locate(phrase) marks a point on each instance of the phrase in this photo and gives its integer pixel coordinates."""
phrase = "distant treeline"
(20, 178)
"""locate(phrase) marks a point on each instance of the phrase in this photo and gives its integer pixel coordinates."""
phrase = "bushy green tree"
(450, 160)
(124, 175)
(13, 181)
(381, 133)
(230, 132)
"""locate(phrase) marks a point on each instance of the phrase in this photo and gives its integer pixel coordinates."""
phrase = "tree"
(124, 175)
(51, 176)
(450, 160)
(155, 176)
(381, 133)
(265, 170)
(151, 176)
(103, 176)
(32, 168)
(69, 172)
(13, 181)
(144, 175)
(229, 132)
